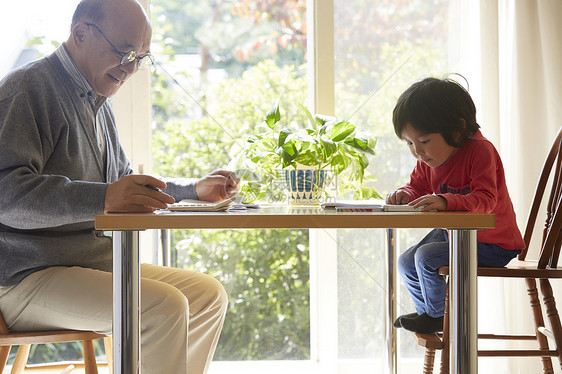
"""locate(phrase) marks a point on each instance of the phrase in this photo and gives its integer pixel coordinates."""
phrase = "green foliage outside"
(185, 146)
(265, 271)
(266, 275)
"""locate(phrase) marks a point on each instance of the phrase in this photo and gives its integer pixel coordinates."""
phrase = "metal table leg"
(391, 353)
(166, 250)
(126, 302)
(463, 341)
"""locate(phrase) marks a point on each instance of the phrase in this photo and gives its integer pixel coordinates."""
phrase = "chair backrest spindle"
(552, 239)
(554, 157)
(554, 206)
(555, 191)
(556, 253)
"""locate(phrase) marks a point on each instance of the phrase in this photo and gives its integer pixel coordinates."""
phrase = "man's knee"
(162, 300)
(216, 294)
(177, 303)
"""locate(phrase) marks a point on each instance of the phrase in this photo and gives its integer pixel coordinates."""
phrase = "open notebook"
(367, 206)
(201, 206)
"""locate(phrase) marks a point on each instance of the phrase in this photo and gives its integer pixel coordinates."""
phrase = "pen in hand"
(153, 188)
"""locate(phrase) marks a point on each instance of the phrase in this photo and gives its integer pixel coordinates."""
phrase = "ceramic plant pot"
(305, 184)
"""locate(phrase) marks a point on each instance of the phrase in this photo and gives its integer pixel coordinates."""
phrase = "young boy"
(457, 169)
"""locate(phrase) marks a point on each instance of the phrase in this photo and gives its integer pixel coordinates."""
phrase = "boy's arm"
(485, 168)
(419, 183)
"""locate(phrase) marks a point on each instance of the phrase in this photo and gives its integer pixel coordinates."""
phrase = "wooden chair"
(25, 339)
(544, 269)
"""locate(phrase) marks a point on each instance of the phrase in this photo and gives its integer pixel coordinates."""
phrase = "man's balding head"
(102, 32)
(95, 10)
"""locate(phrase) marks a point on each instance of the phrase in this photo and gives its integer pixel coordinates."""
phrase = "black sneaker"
(423, 324)
(397, 324)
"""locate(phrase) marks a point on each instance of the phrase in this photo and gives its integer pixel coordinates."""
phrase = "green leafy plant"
(323, 142)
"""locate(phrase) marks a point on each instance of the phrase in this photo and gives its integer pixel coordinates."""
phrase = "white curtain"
(530, 79)
(512, 54)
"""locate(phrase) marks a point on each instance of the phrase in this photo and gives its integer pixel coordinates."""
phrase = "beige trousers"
(182, 312)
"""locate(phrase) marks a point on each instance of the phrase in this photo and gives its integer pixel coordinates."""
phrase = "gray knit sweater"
(52, 174)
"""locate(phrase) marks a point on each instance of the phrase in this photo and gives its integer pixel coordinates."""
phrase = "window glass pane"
(220, 66)
(31, 29)
(381, 48)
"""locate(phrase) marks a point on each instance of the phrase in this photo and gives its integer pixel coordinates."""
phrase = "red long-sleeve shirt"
(474, 180)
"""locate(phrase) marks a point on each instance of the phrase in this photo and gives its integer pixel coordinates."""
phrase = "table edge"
(143, 221)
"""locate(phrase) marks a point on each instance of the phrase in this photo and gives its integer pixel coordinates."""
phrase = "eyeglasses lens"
(128, 57)
(143, 63)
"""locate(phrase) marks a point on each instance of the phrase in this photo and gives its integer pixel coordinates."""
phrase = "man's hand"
(397, 197)
(130, 194)
(217, 186)
(430, 203)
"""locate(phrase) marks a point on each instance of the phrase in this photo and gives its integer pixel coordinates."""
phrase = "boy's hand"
(430, 202)
(397, 197)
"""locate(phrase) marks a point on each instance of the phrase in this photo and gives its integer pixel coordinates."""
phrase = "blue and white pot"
(305, 184)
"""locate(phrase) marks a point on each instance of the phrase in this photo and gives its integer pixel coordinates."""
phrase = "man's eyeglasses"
(143, 62)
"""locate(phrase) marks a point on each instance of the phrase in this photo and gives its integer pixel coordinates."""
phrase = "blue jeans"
(418, 269)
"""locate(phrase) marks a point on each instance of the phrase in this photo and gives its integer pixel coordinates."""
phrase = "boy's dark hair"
(437, 106)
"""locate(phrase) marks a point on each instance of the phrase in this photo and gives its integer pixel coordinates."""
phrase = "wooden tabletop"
(285, 217)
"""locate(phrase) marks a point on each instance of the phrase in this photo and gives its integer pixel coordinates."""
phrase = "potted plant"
(324, 150)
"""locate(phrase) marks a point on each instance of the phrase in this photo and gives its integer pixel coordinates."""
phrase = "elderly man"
(61, 164)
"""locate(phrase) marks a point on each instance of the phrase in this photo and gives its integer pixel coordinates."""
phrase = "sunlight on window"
(34, 28)
(380, 49)
(220, 66)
